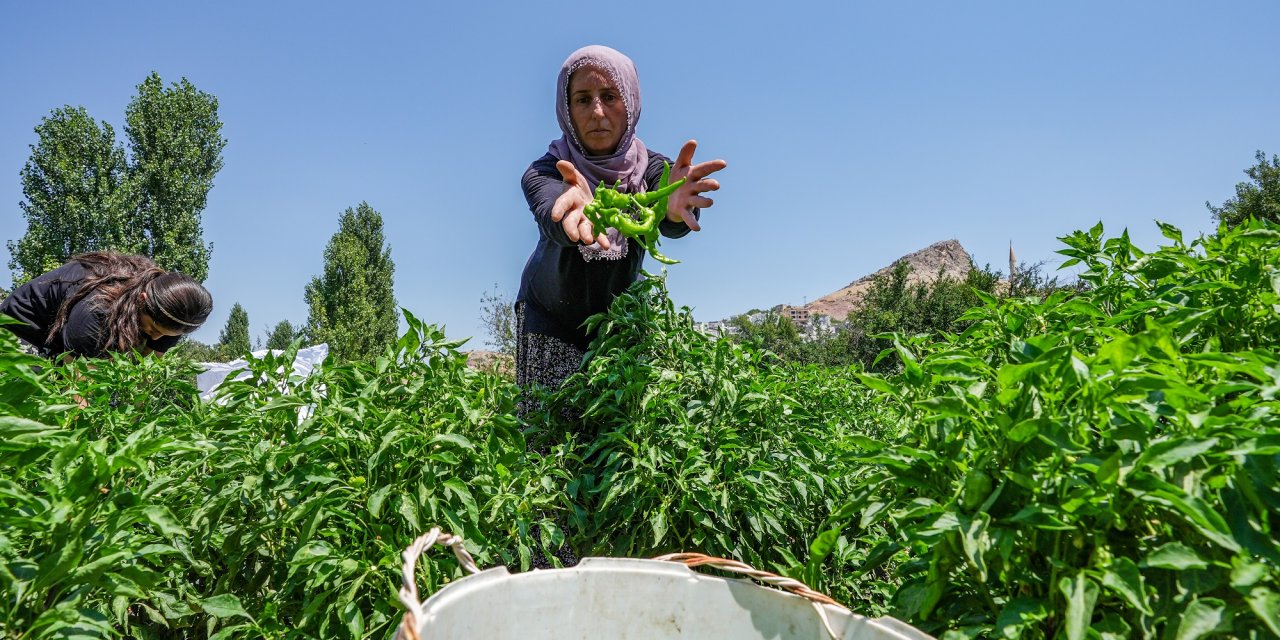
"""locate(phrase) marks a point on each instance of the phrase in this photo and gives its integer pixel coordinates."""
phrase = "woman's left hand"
(681, 204)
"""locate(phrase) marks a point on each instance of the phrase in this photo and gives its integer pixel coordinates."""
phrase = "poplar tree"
(234, 339)
(351, 305)
(176, 144)
(282, 335)
(81, 192)
(77, 196)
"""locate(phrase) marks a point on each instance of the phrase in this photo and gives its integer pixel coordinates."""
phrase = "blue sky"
(855, 132)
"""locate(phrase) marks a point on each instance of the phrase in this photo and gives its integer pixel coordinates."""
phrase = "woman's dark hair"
(116, 283)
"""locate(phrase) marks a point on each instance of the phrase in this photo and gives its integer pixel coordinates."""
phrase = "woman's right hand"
(567, 209)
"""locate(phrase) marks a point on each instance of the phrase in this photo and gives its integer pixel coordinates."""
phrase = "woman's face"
(598, 113)
(152, 329)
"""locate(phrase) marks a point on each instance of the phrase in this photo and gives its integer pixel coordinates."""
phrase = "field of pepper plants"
(1103, 463)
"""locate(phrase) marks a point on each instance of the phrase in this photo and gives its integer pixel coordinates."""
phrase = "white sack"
(216, 372)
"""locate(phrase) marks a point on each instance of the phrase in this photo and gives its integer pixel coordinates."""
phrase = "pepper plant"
(1100, 464)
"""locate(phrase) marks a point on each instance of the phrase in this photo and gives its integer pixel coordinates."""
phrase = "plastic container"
(620, 599)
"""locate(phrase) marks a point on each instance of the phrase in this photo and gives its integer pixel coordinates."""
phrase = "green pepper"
(662, 193)
(635, 216)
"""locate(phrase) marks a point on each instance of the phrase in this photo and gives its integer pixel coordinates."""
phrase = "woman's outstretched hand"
(567, 209)
(681, 204)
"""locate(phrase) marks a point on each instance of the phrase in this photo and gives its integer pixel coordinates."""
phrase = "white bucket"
(622, 599)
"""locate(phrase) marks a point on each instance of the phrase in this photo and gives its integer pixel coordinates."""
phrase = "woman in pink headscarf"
(577, 270)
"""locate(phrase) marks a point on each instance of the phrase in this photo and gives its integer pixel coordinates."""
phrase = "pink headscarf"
(629, 162)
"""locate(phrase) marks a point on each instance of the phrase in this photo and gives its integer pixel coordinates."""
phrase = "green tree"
(1258, 199)
(770, 330)
(234, 339)
(77, 195)
(497, 311)
(351, 305)
(176, 142)
(282, 335)
(81, 192)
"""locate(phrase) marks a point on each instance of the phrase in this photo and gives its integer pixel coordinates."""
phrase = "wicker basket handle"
(694, 560)
(409, 587)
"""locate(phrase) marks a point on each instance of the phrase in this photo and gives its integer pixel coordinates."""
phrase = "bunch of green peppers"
(635, 216)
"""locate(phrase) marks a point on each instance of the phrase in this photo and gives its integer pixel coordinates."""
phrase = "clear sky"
(855, 132)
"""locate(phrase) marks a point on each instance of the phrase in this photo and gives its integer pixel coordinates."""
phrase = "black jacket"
(36, 304)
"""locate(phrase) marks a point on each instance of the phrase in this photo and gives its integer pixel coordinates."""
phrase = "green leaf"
(1261, 234)
(973, 537)
(878, 555)
(312, 552)
(379, 498)
(1164, 453)
(454, 439)
(1025, 430)
(1012, 374)
(224, 605)
(163, 519)
(1041, 517)
(1266, 603)
(84, 571)
(1020, 615)
(354, 619)
(873, 513)
(877, 383)
(1200, 619)
(659, 523)
(409, 510)
(13, 428)
(459, 488)
(1081, 594)
(1113, 627)
(1195, 511)
(226, 633)
(1246, 573)
(1176, 556)
(1109, 471)
(1169, 231)
(1125, 580)
(822, 546)
(910, 365)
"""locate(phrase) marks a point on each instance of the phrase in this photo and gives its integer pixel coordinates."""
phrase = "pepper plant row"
(1096, 464)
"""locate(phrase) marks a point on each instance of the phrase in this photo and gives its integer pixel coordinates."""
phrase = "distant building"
(798, 315)
(716, 328)
(818, 326)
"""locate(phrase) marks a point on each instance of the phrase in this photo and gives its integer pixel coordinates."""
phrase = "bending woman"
(575, 270)
(106, 302)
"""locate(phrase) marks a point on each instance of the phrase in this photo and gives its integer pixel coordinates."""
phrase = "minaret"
(1013, 264)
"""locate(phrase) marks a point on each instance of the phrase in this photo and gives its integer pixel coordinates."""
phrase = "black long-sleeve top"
(565, 282)
(37, 302)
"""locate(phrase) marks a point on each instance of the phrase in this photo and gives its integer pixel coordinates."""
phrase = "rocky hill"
(947, 255)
